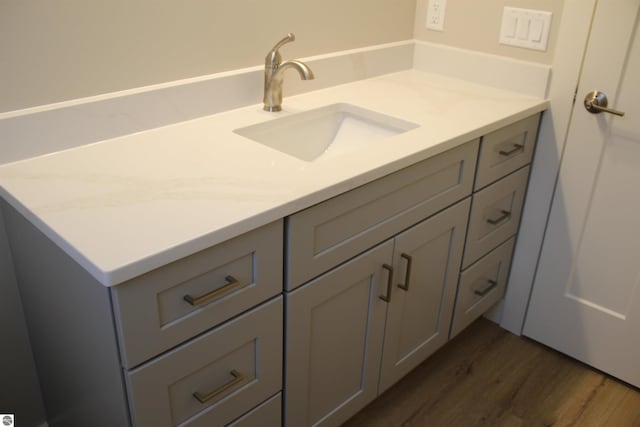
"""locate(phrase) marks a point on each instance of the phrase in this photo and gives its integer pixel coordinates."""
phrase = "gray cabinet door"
(335, 327)
(426, 261)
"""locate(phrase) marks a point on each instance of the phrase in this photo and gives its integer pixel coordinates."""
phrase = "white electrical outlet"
(435, 14)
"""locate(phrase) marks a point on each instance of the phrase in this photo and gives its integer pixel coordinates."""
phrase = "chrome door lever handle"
(596, 102)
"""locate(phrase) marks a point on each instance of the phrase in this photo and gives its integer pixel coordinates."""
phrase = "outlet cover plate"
(435, 14)
(525, 28)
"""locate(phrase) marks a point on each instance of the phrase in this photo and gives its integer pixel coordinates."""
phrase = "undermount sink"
(326, 131)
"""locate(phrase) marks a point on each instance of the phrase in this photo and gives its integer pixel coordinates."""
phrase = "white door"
(586, 296)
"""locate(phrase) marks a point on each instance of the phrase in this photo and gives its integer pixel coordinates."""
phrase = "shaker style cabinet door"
(334, 330)
(426, 261)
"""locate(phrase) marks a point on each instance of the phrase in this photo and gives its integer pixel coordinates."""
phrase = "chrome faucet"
(274, 70)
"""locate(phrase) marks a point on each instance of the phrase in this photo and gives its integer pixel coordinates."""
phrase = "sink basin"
(326, 131)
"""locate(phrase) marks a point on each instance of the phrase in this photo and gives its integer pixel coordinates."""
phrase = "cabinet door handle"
(495, 221)
(407, 276)
(507, 153)
(232, 282)
(387, 297)
(204, 398)
(492, 284)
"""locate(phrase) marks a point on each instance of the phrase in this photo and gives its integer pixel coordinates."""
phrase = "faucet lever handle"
(273, 56)
(287, 39)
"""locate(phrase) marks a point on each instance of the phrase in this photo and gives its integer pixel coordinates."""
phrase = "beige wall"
(475, 25)
(58, 50)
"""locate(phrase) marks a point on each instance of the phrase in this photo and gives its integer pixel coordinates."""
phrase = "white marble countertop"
(127, 205)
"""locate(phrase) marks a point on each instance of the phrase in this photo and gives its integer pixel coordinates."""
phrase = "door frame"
(570, 48)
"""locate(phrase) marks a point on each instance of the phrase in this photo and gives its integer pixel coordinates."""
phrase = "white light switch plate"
(525, 28)
(435, 14)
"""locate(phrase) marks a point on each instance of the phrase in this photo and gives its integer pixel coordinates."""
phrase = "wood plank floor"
(490, 377)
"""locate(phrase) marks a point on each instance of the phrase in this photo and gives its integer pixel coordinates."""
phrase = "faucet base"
(272, 108)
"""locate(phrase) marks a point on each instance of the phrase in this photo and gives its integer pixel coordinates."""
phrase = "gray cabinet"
(357, 329)
(334, 333)
(356, 324)
(426, 264)
(497, 203)
(373, 285)
(211, 378)
(141, 353)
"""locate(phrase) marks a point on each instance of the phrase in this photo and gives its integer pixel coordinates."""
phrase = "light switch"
(510, 25)
(522, 32)
(536, 29)
(525, 28)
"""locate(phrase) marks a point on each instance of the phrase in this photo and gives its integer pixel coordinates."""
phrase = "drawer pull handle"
(387, 297)
(407, 277)
(505, 215)
(492, 284)
(516, 147)
(204, 398)
(232, 282)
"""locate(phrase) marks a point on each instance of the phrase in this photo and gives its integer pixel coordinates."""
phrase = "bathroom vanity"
(185, 304)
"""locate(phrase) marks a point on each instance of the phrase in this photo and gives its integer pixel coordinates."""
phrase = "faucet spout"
(302, 69)
(274, 75)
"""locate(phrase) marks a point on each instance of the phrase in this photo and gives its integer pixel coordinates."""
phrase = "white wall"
(65, 49)
(475, 25)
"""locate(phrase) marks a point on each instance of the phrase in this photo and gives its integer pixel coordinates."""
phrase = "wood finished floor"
(490, 377)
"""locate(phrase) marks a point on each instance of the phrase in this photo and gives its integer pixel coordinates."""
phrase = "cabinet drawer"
(268, 414)
(506, 150)
(333, 231)
(152, 311)
(233, 368)
(495, 215)
(481, 286)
